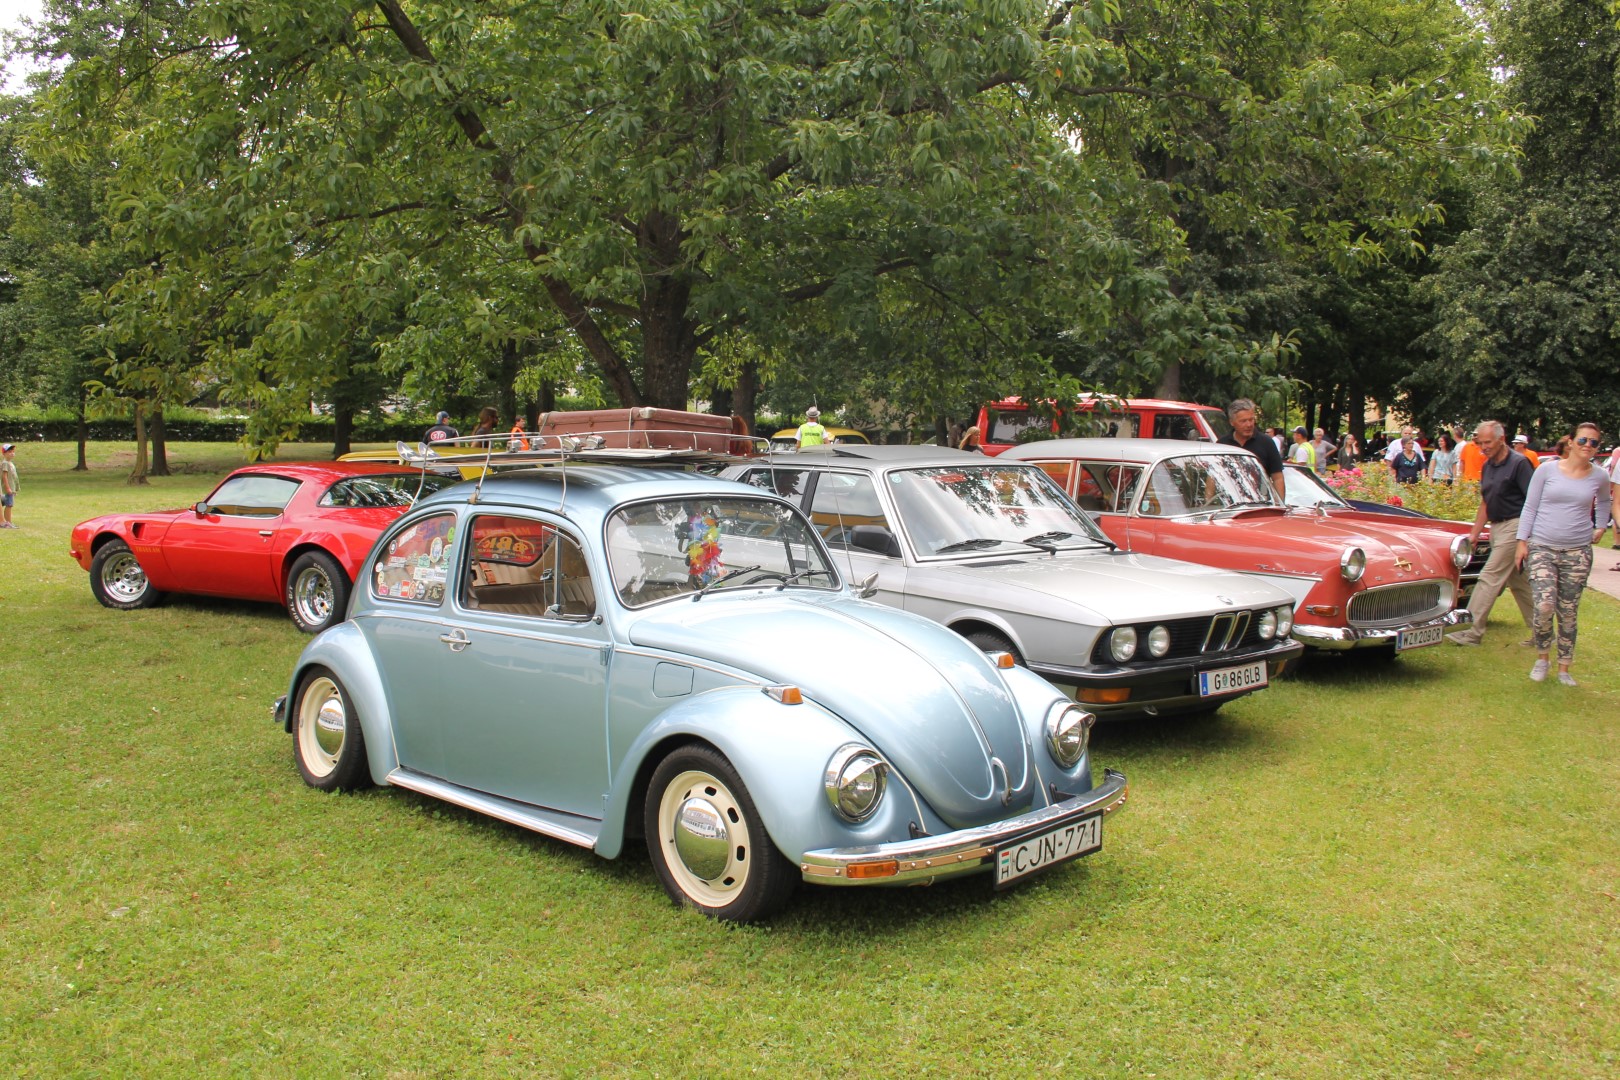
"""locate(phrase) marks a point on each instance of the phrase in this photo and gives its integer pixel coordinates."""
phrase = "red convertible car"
(289, 534)
(1356, 583)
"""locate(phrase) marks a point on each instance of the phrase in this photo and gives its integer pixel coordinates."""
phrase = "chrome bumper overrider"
(1352, 637)
(965, 851)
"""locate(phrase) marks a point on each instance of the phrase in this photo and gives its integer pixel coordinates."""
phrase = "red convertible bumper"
(1355, 637)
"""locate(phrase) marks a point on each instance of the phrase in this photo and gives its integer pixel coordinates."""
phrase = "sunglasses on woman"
(1582, 440)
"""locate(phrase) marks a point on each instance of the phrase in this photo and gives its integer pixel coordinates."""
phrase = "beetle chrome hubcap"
(123, 578)
(322, 724)
(704, 838)
(312, 593)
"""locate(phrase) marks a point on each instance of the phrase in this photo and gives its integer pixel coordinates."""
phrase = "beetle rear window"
(412, 564)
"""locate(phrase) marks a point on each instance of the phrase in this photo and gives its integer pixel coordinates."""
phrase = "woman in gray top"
(1565, 511)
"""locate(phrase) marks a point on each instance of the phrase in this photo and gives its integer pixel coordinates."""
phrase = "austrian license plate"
(1230, 680)
(1419, 637)
(1045, 850)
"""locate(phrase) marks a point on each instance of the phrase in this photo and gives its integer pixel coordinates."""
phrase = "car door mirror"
(867, 586)
(201, 509)
(874, 538)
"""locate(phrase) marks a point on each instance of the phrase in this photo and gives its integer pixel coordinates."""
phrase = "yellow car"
(788, 438)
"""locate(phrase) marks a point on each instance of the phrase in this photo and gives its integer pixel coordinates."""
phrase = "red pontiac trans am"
(1356, 583)
(292, 534)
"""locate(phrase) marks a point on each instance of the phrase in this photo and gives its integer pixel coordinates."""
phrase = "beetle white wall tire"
(117, 580)
(317, 592)
(706, 840)
(327, 742)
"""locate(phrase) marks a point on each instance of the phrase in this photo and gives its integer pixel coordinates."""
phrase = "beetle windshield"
(676, 547)
(1205, 483)
(979, 508)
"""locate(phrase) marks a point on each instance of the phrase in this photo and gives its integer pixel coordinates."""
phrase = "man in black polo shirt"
(1503, 485)
(1244, 433)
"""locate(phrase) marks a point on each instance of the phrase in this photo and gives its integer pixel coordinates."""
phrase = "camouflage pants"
(1557, 576)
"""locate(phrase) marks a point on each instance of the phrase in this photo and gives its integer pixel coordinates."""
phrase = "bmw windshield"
(988, 508)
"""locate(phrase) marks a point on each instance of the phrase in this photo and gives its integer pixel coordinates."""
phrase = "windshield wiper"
(977, 543)
(727, 576)
(1264, 503)
(793, 579)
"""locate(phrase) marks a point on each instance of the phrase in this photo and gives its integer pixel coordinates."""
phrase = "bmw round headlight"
(1122, 643)
(1267, 625)
(1285, 621)
(855, 780)
(1352, 564)
(1159, 641)
(1461, 551)
(1068, 732)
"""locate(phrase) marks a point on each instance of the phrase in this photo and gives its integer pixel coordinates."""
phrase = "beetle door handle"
(457, 639)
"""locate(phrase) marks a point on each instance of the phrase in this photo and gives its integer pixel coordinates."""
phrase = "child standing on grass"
(8, 484)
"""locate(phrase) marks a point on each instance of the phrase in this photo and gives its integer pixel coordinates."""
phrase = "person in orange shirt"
(1470, 461)
(1521, 444)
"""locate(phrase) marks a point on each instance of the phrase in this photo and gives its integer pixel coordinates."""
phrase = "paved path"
(1605, 578)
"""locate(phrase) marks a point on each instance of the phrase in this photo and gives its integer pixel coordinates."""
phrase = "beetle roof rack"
(640, 446)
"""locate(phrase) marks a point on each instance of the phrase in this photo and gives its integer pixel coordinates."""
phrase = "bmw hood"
(1114, 587)
(928, 700)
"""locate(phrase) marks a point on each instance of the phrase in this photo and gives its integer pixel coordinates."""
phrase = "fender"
(1035, 697)
(762, 738)
(344, 651)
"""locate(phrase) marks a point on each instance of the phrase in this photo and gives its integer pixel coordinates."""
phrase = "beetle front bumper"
(966, 851)
(1354, 637)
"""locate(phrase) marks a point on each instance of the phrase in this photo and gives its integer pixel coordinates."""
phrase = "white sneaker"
(1567, 679)
(1538, 671)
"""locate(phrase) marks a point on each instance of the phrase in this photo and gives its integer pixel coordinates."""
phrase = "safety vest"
(812, 434)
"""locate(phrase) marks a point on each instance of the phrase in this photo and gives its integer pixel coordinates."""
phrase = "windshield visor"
(675, 547)
(952, 510)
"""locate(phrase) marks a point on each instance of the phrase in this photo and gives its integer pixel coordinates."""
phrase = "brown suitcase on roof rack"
(649, 428)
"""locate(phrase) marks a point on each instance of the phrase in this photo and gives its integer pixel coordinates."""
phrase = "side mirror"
(867, 586)
(874, 538)
(201, 509)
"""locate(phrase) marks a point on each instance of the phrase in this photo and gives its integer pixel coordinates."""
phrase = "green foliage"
(891, 198)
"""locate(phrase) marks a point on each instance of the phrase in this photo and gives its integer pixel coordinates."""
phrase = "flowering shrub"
(1375, 482)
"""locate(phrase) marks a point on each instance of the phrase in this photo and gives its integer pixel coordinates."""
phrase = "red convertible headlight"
(1352, 564)
(1461, 551)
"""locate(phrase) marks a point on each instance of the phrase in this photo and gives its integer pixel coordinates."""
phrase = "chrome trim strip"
(553, 823)
(965, 851)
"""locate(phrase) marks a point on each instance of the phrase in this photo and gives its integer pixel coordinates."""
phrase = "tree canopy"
(919, 199)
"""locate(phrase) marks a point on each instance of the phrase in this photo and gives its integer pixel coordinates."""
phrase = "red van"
(1010, 422)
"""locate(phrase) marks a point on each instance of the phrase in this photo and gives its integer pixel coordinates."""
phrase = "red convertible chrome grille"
(1394, 603)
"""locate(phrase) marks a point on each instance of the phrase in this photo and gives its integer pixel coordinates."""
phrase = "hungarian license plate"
(1046, 850)
(1230, 680)
(1418, 637)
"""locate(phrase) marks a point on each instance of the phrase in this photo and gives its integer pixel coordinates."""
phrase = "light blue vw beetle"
(602, 652)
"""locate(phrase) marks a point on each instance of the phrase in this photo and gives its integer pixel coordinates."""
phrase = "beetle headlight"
(1159, 641)
(1285, 621)
(1267, 625)
(855, 780)
(1068, 732)
(1352, 564)
(1122, 643)
(1461, 551)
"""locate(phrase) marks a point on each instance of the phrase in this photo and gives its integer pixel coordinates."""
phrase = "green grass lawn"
(1407, 869)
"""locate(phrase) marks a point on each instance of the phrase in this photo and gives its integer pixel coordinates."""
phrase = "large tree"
(1527, 302)
(825, 179)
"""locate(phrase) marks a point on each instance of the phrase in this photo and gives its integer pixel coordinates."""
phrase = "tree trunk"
(82, 434)
(160, 445)
(138, 476)
(506, 383)
(342, 429)
(1356, 407)
(745, 397)
(1170, 382)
